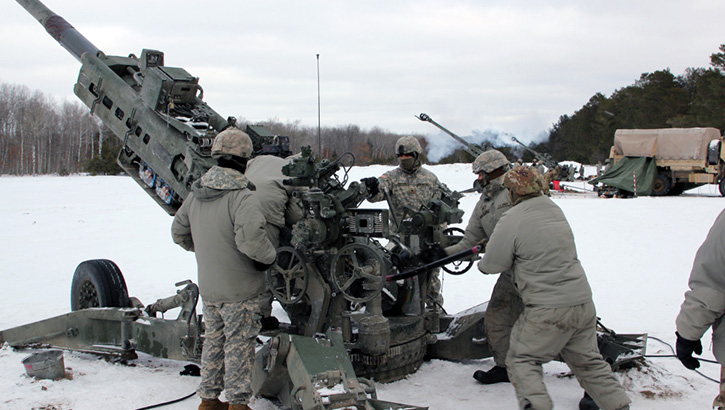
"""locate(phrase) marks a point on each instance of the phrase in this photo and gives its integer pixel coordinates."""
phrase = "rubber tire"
(98, 283)
(722, 187)
(663, 182)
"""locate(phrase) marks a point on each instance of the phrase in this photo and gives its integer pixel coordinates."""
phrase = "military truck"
(665, 161)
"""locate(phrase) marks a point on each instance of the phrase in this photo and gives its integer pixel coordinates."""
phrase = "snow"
(637, 254)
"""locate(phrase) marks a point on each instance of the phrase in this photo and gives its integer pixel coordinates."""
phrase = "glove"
(432, 254)
(261, 266)
(371, 184)
(685, 348)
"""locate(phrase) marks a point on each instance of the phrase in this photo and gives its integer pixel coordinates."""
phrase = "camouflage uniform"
(505, 305)
(559, 317)
(412, 188)
(222, 222)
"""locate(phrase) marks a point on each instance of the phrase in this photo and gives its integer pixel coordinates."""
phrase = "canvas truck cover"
(665, 143)
(633, 174)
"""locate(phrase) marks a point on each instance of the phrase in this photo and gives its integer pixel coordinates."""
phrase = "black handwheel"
(461, 266)
(288, 276)
(357, 272)
(98, 283)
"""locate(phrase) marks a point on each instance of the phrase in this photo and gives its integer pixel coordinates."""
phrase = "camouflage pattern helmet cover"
(489, 161)
(407, 145)
(523, 180)
(232, 141)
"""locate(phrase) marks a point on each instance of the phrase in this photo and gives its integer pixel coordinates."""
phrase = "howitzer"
(156, 111)
(565, 172)
(470, 147)
(346, 322)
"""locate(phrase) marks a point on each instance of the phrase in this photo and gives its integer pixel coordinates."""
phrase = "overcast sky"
(511, 66)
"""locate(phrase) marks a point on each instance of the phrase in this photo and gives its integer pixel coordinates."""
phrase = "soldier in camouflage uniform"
(559, 317)
(505, 304)
(412, 186)
(222, 222)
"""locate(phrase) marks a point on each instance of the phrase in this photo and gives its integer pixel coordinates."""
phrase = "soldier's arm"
(473, 235)
(181, 228)
(250, 234)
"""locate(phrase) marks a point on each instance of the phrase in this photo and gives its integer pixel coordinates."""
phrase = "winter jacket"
(704, 304)
(535, 239)
(222, 222)
(279, 208)
(494, 201)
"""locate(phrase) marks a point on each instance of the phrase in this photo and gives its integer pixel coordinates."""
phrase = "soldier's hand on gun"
(371, 183)
(685, 348)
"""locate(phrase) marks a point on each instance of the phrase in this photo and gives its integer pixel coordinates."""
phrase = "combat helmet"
(523, 181)
(489, 161)
(407, 145)
(232, 141)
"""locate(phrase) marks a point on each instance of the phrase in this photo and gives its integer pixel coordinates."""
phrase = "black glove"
(371, 184)
(261, 266)
(432, 254)
(685, 348)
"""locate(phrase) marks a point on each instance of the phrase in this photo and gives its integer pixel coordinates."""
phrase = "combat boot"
(214, 404)
(239, 407)
(587, 403)
(496, 374)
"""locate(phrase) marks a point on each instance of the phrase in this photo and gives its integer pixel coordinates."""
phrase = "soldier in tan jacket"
(704, 305)
(221, 221)
(559, 317)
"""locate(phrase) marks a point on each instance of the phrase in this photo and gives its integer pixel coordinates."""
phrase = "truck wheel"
(662, 185)
(98, 283)
(722, 187)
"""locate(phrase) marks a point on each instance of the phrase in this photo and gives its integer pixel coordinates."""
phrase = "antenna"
(319, 132)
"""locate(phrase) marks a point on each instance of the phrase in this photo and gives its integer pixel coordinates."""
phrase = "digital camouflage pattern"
(411, 189)
(232, 141)
(523, 181)
(229, 350)
(489, 161)
(223, 179)
(407, 145)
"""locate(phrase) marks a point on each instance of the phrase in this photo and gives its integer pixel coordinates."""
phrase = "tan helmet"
(407, 145)
(523, 180)
(232, 141)
(489, 161)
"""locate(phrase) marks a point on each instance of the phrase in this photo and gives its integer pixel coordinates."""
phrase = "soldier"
(222, 222)
(559, 317)
(412, 186)
(280, 210)
(505, 304)
(704, 305)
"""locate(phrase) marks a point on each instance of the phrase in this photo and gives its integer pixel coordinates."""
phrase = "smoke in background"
(441, 145)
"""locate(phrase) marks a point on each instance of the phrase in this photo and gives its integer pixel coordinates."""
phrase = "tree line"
(659, 99)
(41, 136)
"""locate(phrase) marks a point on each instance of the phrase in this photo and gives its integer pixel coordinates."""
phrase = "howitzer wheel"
(461, 266)
(288, 276)
(357, 272)
(98, 283)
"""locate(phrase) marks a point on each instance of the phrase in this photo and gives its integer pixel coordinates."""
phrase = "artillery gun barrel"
(473, 149)
(58, 28)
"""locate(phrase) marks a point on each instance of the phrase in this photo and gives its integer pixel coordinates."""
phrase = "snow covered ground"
(637, 254)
